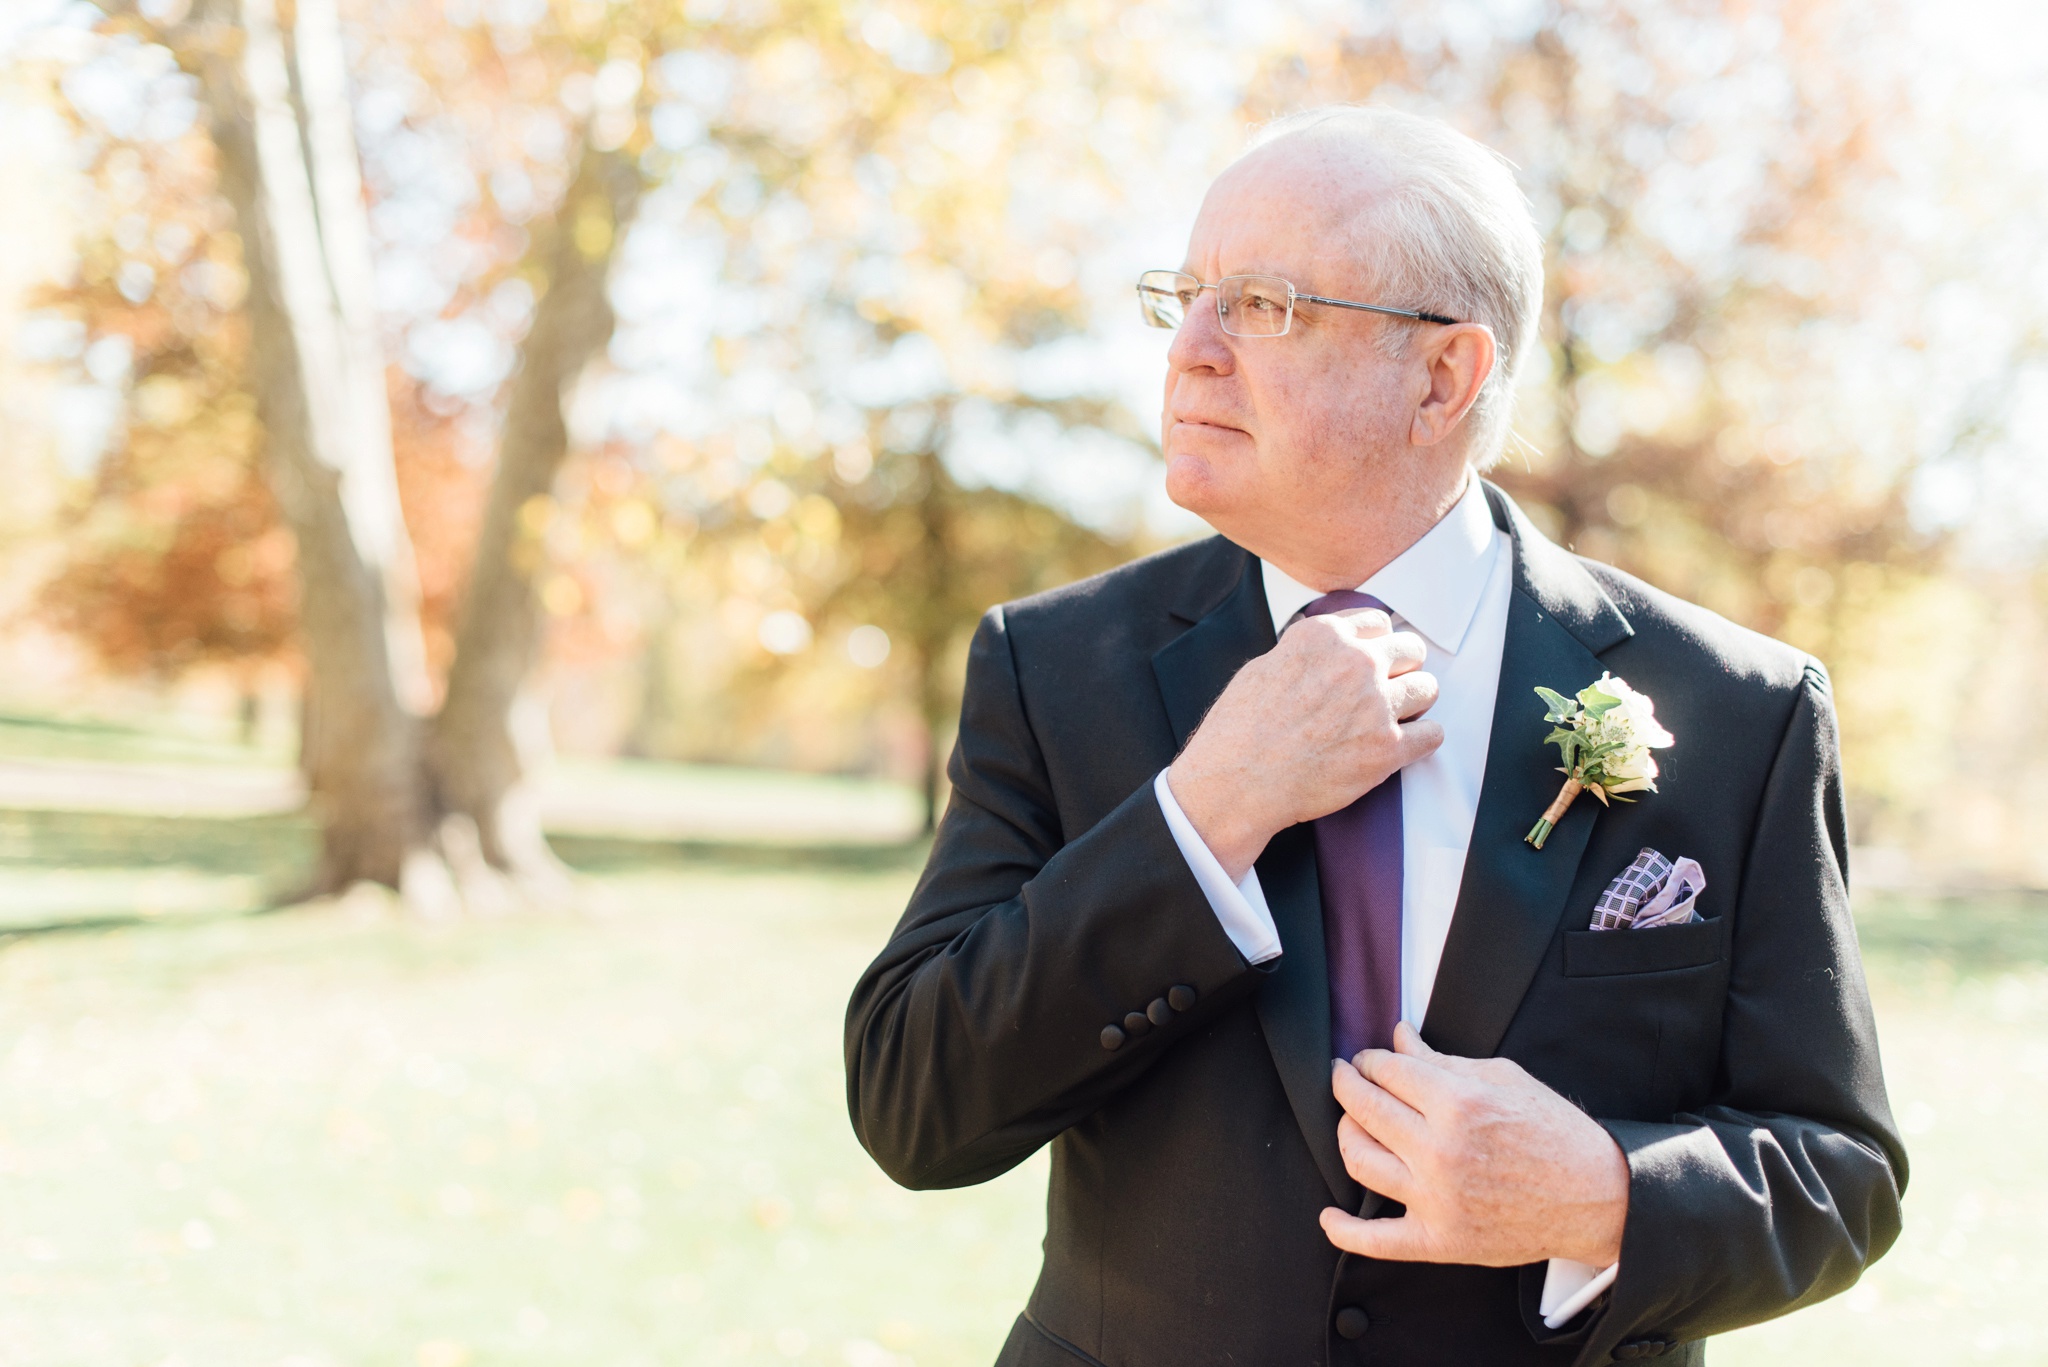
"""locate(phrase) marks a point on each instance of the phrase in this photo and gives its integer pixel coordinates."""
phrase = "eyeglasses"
(1246, 305)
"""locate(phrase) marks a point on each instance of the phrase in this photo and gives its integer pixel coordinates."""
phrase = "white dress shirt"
(1451, 588)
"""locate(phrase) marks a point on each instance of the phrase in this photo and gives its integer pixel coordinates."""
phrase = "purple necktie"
(1358, 855)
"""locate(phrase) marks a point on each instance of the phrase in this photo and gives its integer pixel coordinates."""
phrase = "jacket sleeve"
(1780, 1193)
(978, 1034)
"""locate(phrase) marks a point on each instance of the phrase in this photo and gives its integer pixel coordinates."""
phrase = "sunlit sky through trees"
(1946, 343)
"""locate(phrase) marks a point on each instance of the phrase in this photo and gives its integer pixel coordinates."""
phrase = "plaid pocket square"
(1652, 891)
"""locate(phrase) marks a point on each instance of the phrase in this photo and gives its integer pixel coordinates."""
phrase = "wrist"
(1601, 1247)
(1221, 822)
(1606, 1217)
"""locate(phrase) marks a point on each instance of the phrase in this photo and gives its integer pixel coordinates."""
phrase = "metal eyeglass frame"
(1294, 297)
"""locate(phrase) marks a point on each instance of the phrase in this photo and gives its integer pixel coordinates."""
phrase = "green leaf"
(1567, 743)
(1560, 706)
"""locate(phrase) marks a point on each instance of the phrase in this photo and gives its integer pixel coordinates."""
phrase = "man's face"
(1264, 434)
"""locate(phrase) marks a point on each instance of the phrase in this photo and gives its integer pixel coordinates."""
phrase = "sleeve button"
(1181, 998)
(1112, 1037)
(1159, 1013)
(1136, 1023)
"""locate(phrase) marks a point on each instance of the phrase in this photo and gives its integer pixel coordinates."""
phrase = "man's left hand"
(1494, 1167)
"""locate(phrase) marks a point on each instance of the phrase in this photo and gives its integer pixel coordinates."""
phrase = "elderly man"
(1264, 801)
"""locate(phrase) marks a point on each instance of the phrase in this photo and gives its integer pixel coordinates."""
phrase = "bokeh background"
(497, 492)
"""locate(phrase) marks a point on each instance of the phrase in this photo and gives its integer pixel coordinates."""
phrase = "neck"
(1344, 547)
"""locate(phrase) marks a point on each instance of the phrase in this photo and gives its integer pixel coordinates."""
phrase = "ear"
(1456, 362)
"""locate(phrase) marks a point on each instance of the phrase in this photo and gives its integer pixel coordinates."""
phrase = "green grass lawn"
(103, 821)
(334, 1137)
(169, 738)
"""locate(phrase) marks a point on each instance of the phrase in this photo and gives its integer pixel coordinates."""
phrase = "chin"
(1192, 484)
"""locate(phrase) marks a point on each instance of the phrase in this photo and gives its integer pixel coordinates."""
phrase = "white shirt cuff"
(1570, 1287)
(1241, 907)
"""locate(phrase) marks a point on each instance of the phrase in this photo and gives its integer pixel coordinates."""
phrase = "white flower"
(1639, 713)
(1631, 771)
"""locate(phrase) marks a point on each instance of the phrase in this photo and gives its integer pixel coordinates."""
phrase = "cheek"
(1307, 418)
(1318, 413)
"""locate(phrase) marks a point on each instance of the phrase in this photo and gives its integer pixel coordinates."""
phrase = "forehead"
(1292, 208)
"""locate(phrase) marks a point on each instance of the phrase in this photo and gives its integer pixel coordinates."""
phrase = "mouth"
(1179, 421)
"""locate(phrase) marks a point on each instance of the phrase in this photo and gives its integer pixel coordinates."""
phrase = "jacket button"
(1627, 1352)
(1136, 1023)
(1181, 998)
(1159, 1013)
(1352, 1322)
(1112, 1037)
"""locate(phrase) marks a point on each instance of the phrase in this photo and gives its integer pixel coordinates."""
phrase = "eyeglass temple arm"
(1417, 314)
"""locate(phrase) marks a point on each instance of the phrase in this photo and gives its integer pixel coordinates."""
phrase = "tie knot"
(1344, 600)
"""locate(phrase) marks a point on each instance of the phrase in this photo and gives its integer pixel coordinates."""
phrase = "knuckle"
(1362, 1109)
(1307, 638)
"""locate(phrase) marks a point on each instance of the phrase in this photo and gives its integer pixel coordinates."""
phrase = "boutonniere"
(1606, 735)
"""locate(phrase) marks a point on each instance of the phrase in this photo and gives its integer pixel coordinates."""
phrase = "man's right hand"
(1303, 731)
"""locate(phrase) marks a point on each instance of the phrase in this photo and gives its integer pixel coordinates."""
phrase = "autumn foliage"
(866, 245)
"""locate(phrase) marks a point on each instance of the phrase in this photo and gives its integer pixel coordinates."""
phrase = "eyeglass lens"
(1247, 305)
(1165, 296)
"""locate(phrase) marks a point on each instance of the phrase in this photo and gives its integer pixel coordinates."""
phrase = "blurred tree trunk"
(932, 620)
(435, 806)
(288, 168)
(928, 645)
(477, 760)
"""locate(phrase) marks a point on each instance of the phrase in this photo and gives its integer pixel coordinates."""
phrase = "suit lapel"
(1509, 904)
(1193, 668)
(1294, 1004)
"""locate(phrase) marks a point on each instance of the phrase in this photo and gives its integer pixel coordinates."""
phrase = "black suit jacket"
(1734, 1060)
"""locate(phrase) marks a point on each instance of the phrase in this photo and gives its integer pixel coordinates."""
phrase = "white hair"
(1454, 236)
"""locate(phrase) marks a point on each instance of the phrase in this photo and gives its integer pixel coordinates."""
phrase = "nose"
(1200, 343)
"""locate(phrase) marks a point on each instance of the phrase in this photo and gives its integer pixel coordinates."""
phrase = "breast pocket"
(1663, 949)
(1637, 1021)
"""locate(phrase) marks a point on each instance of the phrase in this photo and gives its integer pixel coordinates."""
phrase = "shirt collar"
(1434, 586)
